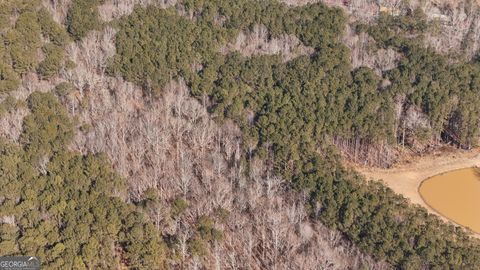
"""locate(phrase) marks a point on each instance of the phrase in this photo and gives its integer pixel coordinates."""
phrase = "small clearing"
(405, 178)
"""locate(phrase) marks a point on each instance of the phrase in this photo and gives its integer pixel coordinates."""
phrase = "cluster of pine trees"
(21, 39)
(83, 17)
(69, 210)
(445, 88)
(73, 210)
(289, 111)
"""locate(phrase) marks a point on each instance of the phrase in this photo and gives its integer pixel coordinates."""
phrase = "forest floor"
(406, 176)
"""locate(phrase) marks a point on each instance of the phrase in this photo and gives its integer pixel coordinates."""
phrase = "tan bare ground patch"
(405, 178)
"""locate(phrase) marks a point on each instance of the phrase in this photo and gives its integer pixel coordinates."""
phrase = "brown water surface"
(455, 195)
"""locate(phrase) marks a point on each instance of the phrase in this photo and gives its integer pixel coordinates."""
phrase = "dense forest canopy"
(426, 79)
(444, 90)
(21, 40)
(73, 210)
(298, 105)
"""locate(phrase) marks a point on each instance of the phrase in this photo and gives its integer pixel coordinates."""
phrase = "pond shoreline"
(437, 209)
(406, 177)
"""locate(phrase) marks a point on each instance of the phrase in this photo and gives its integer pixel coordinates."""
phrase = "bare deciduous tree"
(170, 143)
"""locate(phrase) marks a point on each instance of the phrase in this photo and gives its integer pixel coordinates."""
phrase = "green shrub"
(83, 17)
(6, 10)
(8, 105)
(48, 129)
(52, 30)
(222, 214)
(9, 80)
(24, 42)
(63, 89)
(53, 62)
(207, 230)
(179, 206)
(198, 247)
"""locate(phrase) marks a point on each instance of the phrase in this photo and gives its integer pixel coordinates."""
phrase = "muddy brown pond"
(455, 195)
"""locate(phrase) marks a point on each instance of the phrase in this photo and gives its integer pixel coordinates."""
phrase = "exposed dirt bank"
(405, 177)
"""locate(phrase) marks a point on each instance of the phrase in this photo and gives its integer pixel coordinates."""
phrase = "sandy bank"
(406, 177)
